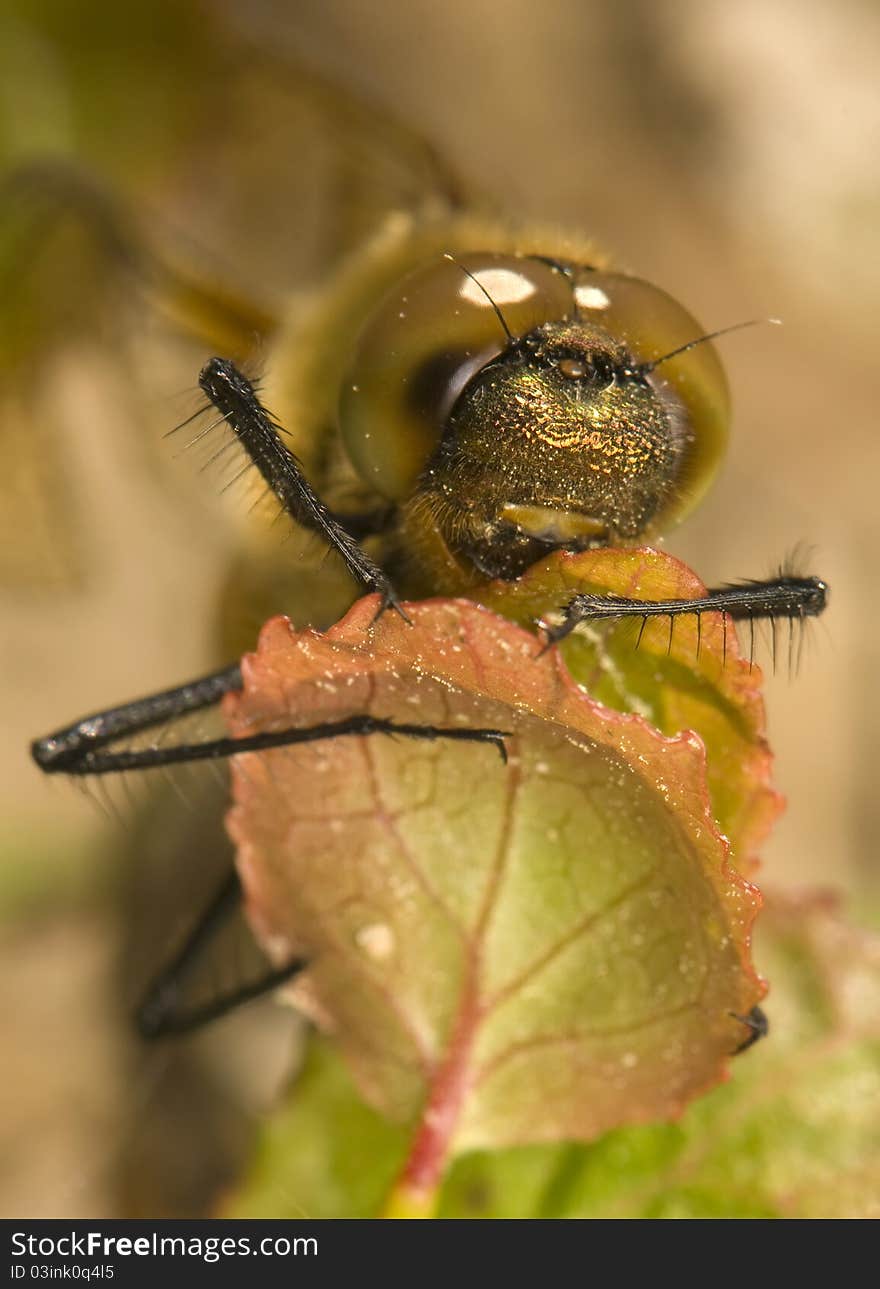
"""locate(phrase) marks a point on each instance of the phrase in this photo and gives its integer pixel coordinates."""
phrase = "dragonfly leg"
(84, 747)
(260, 435)
(784, 596)
(758, 1026)
(77, 748)
(163, 1013)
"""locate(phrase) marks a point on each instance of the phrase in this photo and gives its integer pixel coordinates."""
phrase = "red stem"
(424, 1168)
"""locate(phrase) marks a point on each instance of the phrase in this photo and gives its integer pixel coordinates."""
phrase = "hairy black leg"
(70, 750)
(163, 1012)
(149, 758)
(758, 1026)
(236, 400)
(81, 748)
(784, 596)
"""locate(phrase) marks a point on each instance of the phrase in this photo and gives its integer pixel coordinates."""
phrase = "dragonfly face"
(509, 404)
(512, 404)
(559, 442)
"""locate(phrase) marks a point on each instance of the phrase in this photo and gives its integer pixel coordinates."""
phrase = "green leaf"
(678, 673)
(504, 954)
(794, 1133)
(326, 1154)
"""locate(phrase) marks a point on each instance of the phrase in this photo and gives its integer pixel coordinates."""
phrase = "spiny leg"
(236, 400)
(163, 1014)
(72, 749)
(150, 758)
(784, 596)
(758, 1026)
(82, 748)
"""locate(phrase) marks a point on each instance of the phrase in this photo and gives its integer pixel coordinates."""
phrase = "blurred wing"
(276, 175)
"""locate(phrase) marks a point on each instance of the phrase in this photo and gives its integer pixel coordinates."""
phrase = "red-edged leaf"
(794, 1133)
(504, 953)
(679, 674)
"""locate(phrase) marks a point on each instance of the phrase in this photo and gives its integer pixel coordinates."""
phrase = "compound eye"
(651, 324)
(428, 337)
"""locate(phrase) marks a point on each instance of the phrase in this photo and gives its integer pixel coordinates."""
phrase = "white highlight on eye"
(591, 297)
(503, 285)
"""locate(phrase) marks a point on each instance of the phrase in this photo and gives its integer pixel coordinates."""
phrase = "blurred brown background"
(727, 152)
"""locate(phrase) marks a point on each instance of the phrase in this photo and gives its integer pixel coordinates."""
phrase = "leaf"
(325, 1154)
(679, 674)
(795, 1132)
(503, 954)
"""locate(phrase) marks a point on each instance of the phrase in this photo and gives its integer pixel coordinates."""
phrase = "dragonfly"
(510, 523)
(467, 398)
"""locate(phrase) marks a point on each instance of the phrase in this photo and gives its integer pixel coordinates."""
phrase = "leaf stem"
(405, 1201)
(416, 1192)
